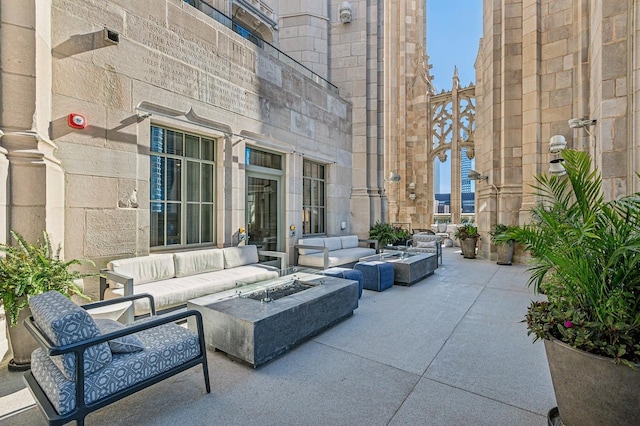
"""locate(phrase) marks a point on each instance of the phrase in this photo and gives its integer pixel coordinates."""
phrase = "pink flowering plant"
(585, 255)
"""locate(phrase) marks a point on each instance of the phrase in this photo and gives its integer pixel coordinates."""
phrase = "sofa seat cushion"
(176, 291)
(144, 269)
(166, 346)
(336, 257)
(64, 323)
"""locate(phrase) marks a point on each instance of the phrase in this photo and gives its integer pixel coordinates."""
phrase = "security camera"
(578, 123)
(345, 12)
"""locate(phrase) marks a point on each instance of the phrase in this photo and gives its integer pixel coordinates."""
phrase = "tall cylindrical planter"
(468, 246)
(20, 342)
(505, 253)
(590, 389)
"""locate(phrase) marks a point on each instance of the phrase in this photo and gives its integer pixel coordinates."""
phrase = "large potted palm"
(26, 270)
(585, 254)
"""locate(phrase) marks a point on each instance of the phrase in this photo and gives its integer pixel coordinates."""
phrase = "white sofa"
(174, 278)
(327, 252)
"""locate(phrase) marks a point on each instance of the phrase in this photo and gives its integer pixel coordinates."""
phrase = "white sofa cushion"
(349, 241)
(240, 256)
(198, 262)
(310, 242)
(333, 243)
(144, 269)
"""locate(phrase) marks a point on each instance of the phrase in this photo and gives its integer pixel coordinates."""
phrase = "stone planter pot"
(21, 343)
(590, 389)
(468, 246)
(505, 253)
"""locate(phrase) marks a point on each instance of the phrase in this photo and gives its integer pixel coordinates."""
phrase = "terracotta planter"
(21, 343)
(590, 389)
(505, 253)
(468, 246)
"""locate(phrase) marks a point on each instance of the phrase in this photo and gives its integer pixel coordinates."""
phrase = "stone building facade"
(130, 128)
(542, 63)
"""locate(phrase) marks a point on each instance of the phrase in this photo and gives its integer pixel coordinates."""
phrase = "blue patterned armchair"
(117, 359)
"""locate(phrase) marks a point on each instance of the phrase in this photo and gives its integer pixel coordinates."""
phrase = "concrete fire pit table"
(254, 324)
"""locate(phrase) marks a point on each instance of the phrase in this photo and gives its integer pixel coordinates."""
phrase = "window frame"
(185, 202)
(320, 182)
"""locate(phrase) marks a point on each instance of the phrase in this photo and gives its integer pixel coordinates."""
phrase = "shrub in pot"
(402, 236)
(384, 233)
(468, 236)
(585, 255)
(25, 270)
(504, 248)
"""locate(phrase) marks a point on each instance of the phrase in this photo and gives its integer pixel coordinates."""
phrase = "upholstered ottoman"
(347, 274)
(377, 276)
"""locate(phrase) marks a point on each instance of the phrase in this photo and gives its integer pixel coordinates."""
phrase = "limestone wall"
(543, 62)
(191, 74)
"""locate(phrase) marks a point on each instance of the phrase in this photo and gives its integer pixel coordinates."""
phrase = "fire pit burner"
(275, 293)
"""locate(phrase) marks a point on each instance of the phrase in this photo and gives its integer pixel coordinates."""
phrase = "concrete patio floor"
(449, 350)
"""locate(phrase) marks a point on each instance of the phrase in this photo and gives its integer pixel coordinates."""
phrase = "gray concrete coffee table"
(248, 328)
(408, 268)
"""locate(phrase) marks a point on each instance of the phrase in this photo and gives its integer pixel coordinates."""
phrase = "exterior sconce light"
(345, 12)
(473, 175)
(242, 234)
(556, 144)
(292, 230)
(393, 178)
(556, 167)
(412, 191)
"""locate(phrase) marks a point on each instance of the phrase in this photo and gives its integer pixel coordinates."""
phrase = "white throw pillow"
(240, 256)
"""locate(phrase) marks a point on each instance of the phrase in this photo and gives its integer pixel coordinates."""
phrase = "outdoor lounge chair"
(116, 363)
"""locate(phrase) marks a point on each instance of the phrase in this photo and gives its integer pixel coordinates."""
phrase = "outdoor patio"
(451, 349)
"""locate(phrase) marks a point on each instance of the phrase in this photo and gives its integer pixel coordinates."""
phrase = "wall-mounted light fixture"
(556, 167)
(345, 12)
(343, 225)
(242, 234)
(292, 230)
(412, 191)
(556, 144)
(473, 175)
(393, 178)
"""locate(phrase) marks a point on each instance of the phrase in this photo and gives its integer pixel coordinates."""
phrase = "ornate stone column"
(36, 192)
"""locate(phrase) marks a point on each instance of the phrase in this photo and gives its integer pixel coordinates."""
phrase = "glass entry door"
(263, 199)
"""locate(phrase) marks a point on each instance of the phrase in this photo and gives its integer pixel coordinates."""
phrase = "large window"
(313, 199)
(182, 188)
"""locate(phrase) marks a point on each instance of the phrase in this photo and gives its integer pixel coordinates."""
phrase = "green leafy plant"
(586, 259)
(401, 234)
(29, 269)
(383, 232)
(498, 230)
(466, 231)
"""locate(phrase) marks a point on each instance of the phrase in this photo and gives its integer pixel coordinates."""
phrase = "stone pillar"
(4, 192)
(36, 192)
(456, 189)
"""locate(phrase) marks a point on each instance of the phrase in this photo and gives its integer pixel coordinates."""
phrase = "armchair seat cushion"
(166, 346)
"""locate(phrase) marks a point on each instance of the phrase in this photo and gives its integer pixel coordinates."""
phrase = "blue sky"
(454, 28)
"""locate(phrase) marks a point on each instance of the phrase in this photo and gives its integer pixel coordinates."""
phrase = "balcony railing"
(273, 51)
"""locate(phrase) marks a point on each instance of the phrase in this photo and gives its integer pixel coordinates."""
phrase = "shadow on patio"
(450, 349)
